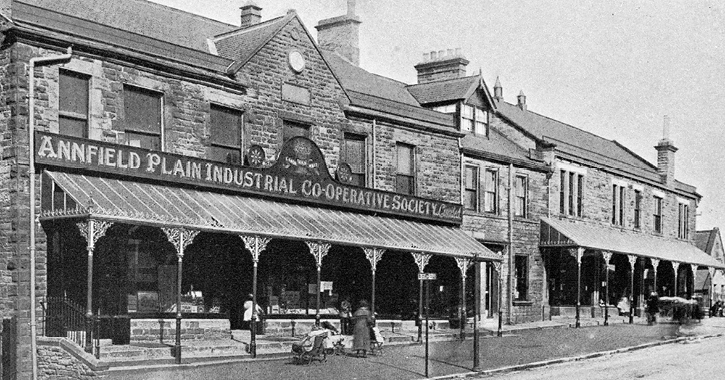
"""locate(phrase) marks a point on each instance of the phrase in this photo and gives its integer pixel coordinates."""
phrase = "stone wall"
(164, 330)
(60, 359)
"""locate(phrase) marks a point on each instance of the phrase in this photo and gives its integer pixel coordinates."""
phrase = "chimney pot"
(439, 65)
(458, 51)
(441, 54)
(449, 52)
(432, 56)
(426, 57)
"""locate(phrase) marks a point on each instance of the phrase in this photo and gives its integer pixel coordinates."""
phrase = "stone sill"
(523, 303)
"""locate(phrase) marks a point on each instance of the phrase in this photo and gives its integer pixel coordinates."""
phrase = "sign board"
(300, 173)
(427, 276)
(611, 267)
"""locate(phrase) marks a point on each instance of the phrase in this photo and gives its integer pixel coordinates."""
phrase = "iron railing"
(67, 319)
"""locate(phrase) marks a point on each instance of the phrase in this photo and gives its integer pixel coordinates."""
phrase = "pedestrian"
(652, 308)
(345, 316)
(361, 332)
(247, 319)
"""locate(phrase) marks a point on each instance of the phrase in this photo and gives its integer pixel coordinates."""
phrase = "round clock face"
(296, 61)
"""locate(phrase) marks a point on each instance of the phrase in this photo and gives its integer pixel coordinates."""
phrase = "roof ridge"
(444, 79)
(395, 101)
(331, 52)
(180, 11)
(239, 30)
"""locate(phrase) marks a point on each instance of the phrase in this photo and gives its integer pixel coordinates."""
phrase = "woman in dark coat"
(361, 332)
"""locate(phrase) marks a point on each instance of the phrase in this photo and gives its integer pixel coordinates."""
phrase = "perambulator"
(376, 341)
(317, 344)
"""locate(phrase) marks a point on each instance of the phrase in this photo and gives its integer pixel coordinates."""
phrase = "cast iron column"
(421, 260)
(463, 265)
(180, 238)
(373, 255)
(497, 266)
(319, 250)
(675, 267)
(91, 231)
(476, 310)
(607, 257)
(693, 268)
(632, 261)
(655, 264)
(577, 254)
(255, 245)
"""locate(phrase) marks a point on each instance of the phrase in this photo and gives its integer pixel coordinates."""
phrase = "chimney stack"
(498, 91)
(521, 100)
(666, 155)
(341, 34)
(251, 14)
(443, 64)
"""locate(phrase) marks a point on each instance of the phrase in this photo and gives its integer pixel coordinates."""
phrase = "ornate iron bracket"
(374, 255)
(607, 256)
(319, 251)
(180, 238)
(577, 254)
(632, 260)
(694, 270)
(92, 230)
(463, 265)
(676, 267)
(655, 264)
(421, 259)
(255, 244)
(497, 267)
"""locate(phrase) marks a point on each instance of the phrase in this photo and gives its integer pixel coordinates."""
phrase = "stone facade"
(164, 330)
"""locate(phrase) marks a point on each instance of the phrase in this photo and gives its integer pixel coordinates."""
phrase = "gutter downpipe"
(509, 304)
(36, 61)
(373, 158)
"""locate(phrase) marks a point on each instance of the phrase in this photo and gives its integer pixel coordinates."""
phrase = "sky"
(612, 68)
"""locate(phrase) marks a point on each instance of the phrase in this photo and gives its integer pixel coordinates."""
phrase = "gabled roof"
(356, 79)
(144, 18)
(448, 90)
(582, 144)
(498, 147)
(705, 240)
(241, 44)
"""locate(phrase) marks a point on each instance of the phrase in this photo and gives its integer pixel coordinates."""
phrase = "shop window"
(490, 195)
(657, 215)
(73, 104)
(226, 135)
(142, 113)
(354, 155)
(405, 173)
(637, 209)
(522, 278)
(470, 196)
(617, 205)
(683, 227)
(521, 188)
(293, 129)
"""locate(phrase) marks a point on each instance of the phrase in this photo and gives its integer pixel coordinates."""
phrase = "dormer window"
(473, 120)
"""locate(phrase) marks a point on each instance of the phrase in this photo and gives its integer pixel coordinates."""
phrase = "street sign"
(427, 276)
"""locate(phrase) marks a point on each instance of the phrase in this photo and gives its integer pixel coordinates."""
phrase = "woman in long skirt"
(361, 333)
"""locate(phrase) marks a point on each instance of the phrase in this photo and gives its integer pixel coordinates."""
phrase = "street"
(407, 362)
(688, 360)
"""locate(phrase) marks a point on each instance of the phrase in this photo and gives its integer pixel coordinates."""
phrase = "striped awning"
(567, 233)
(154, 204)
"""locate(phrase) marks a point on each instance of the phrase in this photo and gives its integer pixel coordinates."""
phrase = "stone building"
(172, 164)
(710, 284)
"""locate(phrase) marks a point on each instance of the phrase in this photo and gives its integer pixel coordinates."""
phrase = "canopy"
(165, 206)
(567, 233)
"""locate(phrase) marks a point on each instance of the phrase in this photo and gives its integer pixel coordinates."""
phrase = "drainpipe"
(37, 61)
(374, 151)
(511, 242)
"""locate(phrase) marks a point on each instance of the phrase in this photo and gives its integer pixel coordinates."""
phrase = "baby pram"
(317, 344)
(376, 341)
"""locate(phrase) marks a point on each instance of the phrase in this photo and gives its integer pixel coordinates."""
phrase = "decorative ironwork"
(577, 254)
(694, 269)
(497, 267)
(655, 264)
(344, 173)
(255, 244)
(95, 228)
(256, 156)
(607, 256)
(421, 259)
(711, 270)
(632, 260)
(676, 267)
(319, 251)
(374, 255)
(180, 238)
(463, 265)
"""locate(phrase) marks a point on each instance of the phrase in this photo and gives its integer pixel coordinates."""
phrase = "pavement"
(521, 346)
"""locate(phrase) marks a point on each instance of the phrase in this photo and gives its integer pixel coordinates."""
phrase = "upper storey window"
(571, 190)
(470, 195)
(490, 194)
(683, 226)
(142, 113)
(226, 135)
(473, 119)
(637, 208)
(521, 189)
(617, 205)
(293, 129)
(73, 104)
(354, 155)
(657, 214)
(405, 174)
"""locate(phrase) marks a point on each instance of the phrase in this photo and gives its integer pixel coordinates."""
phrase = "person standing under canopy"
(361, 332)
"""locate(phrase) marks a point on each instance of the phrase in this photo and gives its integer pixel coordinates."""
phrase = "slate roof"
(497, 146)
(444, 90)
(143, 17)
(583, 144)
(242, 44)
(359, 80)
(703, 240)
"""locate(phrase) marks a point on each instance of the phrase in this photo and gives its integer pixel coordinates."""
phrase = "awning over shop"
(146, 203)
(566, 233)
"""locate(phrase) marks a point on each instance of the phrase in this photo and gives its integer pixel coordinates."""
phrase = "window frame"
(470, 116)
(410, 177)
(657, 222)
(349, 136)
(521, 288)
(521, 199)
(287, 123)
(494, 193)
(237, 148)
(683, 225)
(474, 189)
(130, 88)
(70, 115)
(618, 196)
(637, 209)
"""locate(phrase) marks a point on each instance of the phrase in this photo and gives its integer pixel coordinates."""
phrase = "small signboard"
(427, 276)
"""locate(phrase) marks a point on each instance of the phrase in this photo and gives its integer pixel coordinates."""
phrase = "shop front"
(163, 247)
